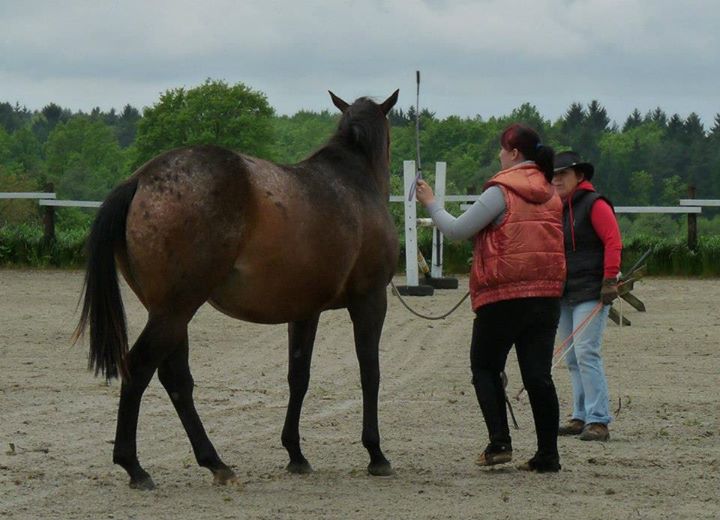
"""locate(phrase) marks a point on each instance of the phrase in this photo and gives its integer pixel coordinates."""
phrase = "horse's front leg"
(301, 335)
(368, 315)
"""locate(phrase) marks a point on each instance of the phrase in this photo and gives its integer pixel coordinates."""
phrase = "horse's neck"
(382, 181)
(378, 175)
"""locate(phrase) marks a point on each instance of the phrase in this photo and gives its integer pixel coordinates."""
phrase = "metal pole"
(418, 166)
(417, 126)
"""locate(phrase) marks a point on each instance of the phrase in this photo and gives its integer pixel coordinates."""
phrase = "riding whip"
(418, 165)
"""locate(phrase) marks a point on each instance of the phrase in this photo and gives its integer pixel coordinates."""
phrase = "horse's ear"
(342, 105)
(390, 102)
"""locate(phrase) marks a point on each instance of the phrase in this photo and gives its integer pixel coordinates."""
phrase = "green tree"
(13, 118)
(26, 153)
(236, 117)
(581, 129)
(633, 121)
(675, 128)
(715, 130)
(574, 119)
(297, 136)
(5, 144)
(126, 126)
(597, 118)
(596, 124)
(17, 211)
(623, 153)
(656, 226)
(48, 118)
(693, 127)
(528, 114)
(439, 140)
(84, 159)
(641, 184)
(657, 116)
(399, 118)
(402, 148)
(673, 189)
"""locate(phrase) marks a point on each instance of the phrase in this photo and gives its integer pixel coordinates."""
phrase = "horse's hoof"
(226, 477)
(299, 468)
(380, 469)
(143, 484)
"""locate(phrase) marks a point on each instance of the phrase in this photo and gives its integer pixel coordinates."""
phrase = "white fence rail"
(70, 203)
(700, 202)
(689, 207)
(27, 195)
(657, 210)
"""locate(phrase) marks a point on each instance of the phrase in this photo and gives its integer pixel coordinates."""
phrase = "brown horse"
(261, 242)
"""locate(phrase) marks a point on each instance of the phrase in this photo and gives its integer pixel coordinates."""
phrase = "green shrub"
(673, 257)
(24, 245)
(668, 257)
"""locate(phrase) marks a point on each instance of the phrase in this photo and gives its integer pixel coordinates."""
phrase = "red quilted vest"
(524, 255)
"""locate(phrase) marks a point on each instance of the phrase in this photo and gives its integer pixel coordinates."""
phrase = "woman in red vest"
(516, 281)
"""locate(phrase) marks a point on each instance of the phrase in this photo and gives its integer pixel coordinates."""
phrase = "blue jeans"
(584, 361)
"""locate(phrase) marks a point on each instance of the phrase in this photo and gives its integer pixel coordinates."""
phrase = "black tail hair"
(102, 306)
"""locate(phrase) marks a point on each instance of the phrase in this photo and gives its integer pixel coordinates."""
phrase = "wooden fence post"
(692, 223)
(49, 219)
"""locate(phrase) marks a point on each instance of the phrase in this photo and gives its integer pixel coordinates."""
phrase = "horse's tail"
(102, 307)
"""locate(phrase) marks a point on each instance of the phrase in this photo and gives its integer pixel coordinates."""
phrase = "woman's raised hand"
(424, 192)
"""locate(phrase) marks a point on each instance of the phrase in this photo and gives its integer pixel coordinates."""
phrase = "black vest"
(586, 261)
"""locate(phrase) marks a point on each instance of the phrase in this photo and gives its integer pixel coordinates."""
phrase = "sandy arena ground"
(57, 421)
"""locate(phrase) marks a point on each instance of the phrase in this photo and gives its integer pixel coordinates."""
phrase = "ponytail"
(544, 158)
(527, 142)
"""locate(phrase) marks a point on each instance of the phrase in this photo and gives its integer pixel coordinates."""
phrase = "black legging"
(530, 324)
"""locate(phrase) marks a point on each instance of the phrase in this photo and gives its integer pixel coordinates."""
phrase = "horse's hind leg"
(174, 374)
(368, 315)
(301, 335)
(143, 359)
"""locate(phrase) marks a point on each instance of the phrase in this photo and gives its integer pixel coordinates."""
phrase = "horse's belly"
(280, 297)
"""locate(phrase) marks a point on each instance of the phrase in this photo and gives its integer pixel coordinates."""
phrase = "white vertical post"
(437, 244)
(411, 261)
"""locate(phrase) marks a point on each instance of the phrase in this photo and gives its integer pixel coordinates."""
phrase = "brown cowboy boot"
(595, 432)
(572, 427)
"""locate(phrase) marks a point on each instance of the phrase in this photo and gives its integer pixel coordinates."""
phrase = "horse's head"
(364, 126)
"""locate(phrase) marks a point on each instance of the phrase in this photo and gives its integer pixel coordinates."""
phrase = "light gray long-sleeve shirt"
(490, 207)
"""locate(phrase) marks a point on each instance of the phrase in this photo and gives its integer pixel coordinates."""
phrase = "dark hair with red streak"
(527, 142)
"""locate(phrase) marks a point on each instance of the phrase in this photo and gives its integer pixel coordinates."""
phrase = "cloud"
(481, 56)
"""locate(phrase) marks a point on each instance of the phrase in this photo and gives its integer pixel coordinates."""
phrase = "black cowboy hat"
(570, 159)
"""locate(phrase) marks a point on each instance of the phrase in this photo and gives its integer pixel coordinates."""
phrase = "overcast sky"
(481, 57)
